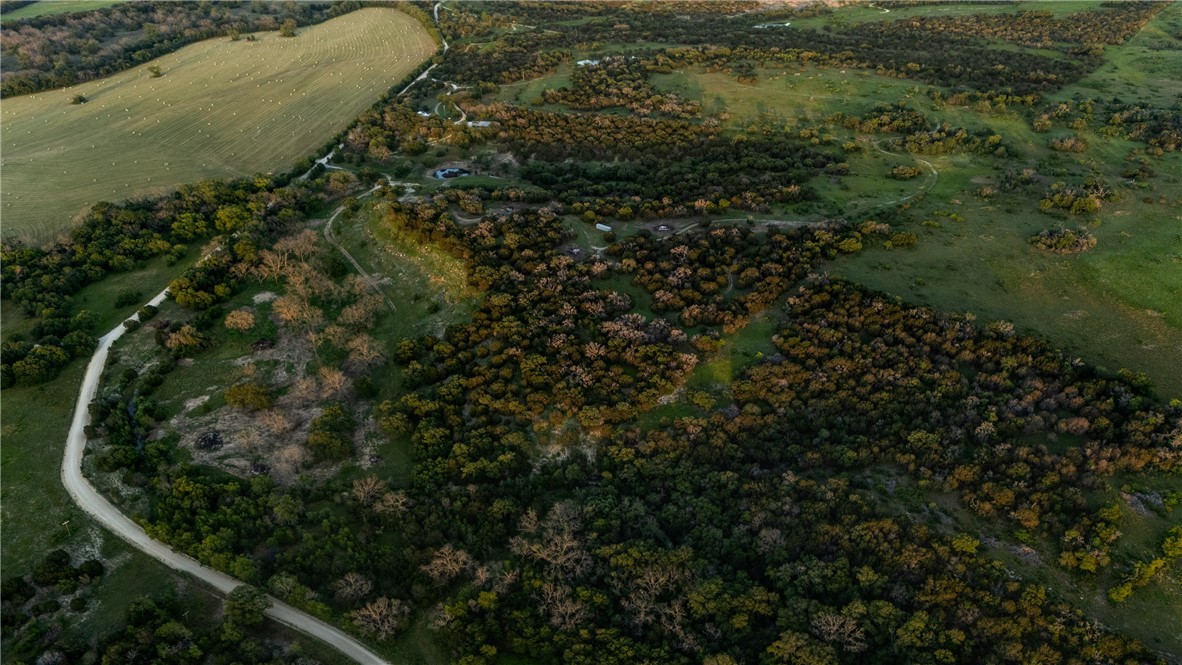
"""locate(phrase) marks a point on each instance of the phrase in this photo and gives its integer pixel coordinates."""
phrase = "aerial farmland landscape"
(603, 331)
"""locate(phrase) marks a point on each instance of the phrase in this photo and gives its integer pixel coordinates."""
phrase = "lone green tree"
(288, 28)
(245, 605)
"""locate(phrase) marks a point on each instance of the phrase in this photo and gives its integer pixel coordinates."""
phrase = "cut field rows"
(221, 108)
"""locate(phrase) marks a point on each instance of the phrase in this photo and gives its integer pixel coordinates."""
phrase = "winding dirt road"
(331, 237)
(106, 514)
(927, 187)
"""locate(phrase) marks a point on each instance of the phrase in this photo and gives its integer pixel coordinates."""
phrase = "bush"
(331, 436)
(251, 396)
(128, 297)
(92, 568)
(16, 590)
(46, 606)
(78, 604)
(52, 568)
(904, 172)
(1064, 241)
(902, 239)
(1068, 144)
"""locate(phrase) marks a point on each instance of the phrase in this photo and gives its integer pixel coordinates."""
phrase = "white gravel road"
(109, 516)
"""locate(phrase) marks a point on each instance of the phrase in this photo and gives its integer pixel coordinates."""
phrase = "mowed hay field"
(50, 7)
(221, 108)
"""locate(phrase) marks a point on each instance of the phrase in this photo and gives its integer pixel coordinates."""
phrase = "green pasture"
(428, 287)
(35, 421)
(1149, 615)
(1116, 306)
(51, 7)
(220, 108)
(862, 12)
(148, 280)
(524, 92)
(799, 95)
(1145, 68)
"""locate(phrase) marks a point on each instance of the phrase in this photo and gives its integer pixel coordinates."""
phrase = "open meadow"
(1116, 306)
(52, 7)
(219, 108)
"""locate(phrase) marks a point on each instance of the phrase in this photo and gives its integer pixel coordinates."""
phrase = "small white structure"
(480, 123)
(424, 114)
(603, 227)
(584, 63)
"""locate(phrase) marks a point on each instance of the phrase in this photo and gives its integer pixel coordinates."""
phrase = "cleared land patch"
(221, 108)
(790, 92)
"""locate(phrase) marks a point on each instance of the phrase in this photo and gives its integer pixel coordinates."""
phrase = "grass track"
(221, 109)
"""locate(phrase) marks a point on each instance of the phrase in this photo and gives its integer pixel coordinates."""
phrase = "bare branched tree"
(353, 586)
(381, 618)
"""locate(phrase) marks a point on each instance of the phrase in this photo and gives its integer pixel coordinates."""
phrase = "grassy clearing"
(1144, 69)
(38, 515)
(51, 7)
(1116, 306)
(864, 12)
(428, 287)
(1150, 615)
(220, 109)
(524, 92)
(35, 422)
(715, 374)
(34, 503)
(151, 278)
(430, 291)
(799, 94)
(416, 647)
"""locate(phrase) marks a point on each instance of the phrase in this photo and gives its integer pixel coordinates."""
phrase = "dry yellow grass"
(220, 109)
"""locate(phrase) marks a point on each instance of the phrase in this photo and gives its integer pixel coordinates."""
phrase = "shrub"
(331, 436)
(92, 568)
(46, 606)
(147, 312)
(52, 568)
(1063, 241)
(1068, 144)
(904, 172)
(128, 297)
(902, 239)
(16, 590)
(251, 396)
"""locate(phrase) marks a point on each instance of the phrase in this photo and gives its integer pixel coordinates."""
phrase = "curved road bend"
(109, 516)
(105, 513)
(331, 237)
